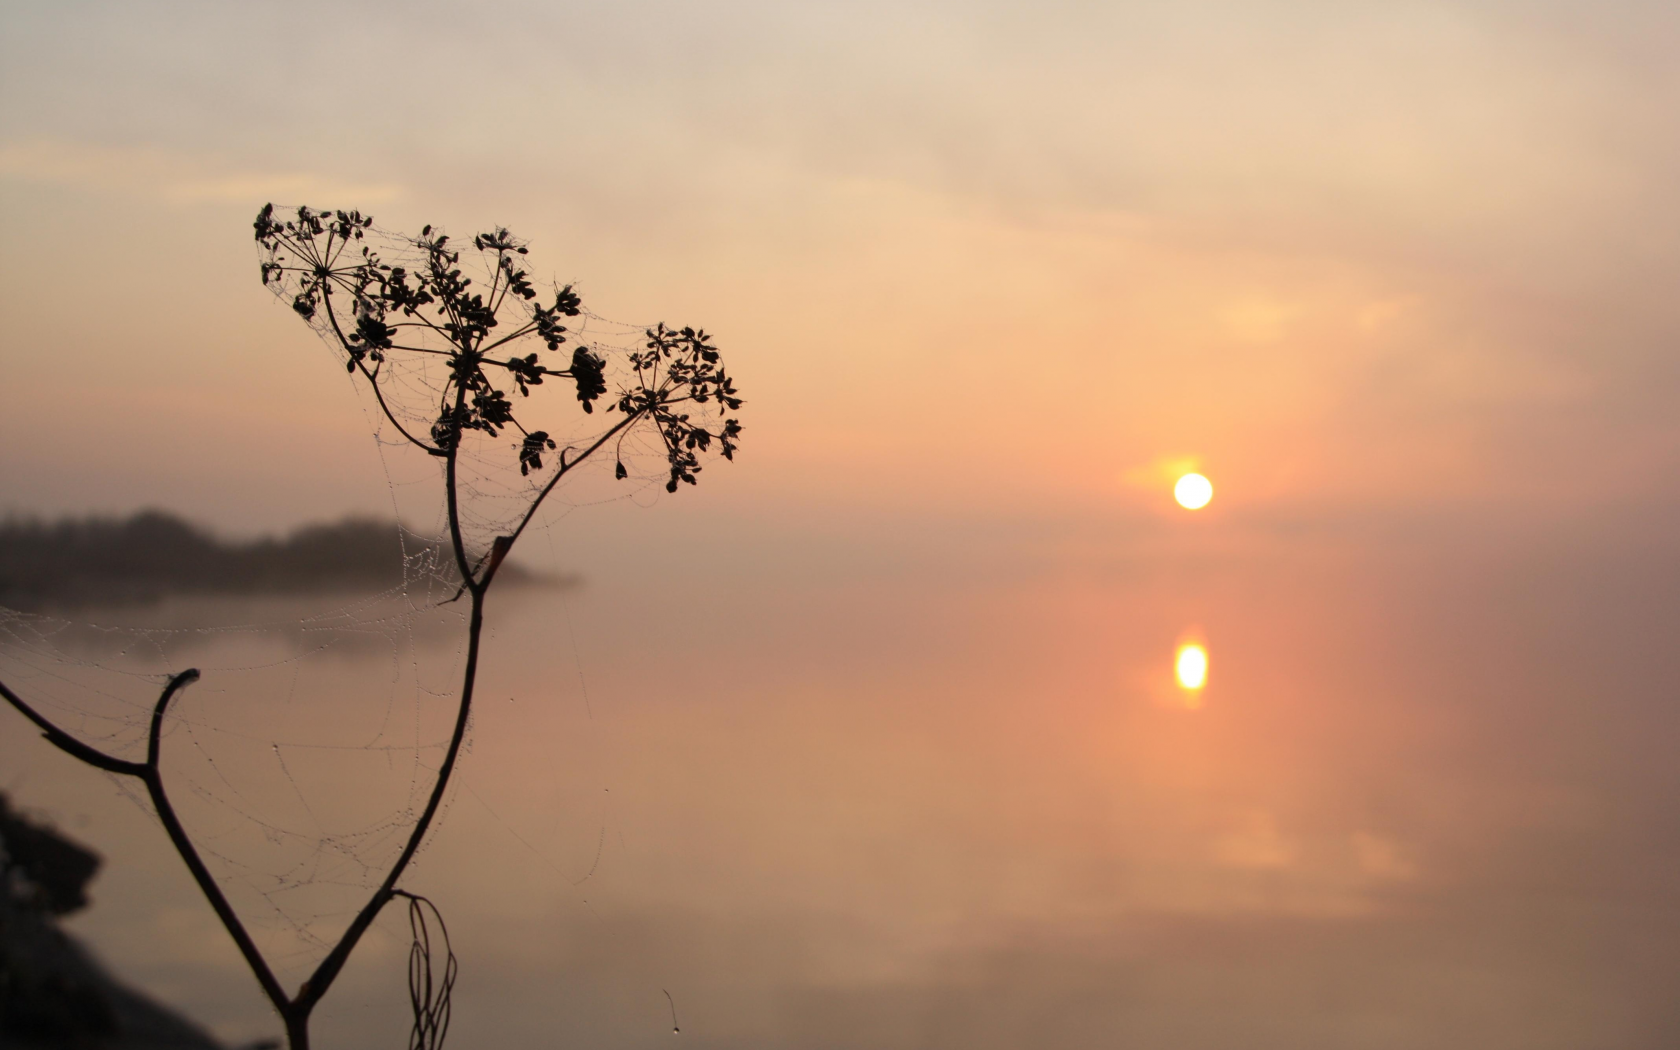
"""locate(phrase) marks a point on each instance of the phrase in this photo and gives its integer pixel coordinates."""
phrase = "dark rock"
(52, 992)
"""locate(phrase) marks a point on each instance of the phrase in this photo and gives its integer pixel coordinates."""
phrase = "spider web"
(415, 382)
(301, 759)
(494, 494)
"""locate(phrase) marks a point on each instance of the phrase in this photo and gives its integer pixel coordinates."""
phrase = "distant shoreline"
(79, 563)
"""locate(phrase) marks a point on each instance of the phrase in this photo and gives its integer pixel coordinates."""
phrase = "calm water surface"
(1424, 799)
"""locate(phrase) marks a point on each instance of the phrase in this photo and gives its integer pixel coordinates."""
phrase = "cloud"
(175, 177)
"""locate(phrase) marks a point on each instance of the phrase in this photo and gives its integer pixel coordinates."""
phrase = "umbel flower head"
(452, 340)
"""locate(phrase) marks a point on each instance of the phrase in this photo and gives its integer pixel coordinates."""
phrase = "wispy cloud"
(176, 177)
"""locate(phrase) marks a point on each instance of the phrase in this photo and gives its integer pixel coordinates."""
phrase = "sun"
(1193, 491)
(1192, 666)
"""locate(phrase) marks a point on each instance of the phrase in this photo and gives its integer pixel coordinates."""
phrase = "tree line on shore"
(117, 561)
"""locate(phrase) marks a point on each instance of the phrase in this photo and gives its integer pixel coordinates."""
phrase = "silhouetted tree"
(446, 360)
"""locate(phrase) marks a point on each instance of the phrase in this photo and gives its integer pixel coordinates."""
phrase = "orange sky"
(1399, 278)
(1353, 257)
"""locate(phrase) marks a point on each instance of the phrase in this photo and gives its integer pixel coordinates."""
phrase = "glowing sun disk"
(1193, 491)
(1192, 666)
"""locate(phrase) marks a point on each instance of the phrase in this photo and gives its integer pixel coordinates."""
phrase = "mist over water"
(1422, 801)
(875, 738)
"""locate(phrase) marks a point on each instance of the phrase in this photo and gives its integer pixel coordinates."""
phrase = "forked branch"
(150, 773)
(325, 266)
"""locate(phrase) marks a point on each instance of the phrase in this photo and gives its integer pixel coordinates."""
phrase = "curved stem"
(154, 733)
(69, 744)
(314, 988)
(452, 500)
(153, 778)
(379, 395)
(149, 773)
(555, 480)
(319, 981)
(373, 381)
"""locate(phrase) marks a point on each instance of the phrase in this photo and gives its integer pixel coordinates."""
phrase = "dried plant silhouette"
(453, 366)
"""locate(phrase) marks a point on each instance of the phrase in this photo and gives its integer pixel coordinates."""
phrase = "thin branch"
(183, 845)
(373, 381)
(452, 454)
(526, 329)
(324, 974)
(69, 744)
(414, 311)
(491, 302)
(155, 732)
(149, 773)
(555, 480)
(379, 395)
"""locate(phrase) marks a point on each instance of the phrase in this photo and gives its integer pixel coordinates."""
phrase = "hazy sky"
(1400, 278)
(1369, 256)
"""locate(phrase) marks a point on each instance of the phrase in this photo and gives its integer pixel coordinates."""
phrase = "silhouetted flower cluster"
(424, 304)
